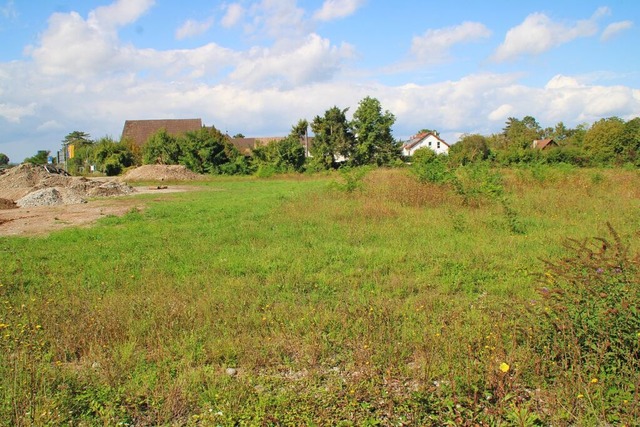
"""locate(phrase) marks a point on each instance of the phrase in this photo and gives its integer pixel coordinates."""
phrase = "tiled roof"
(139, 131)
(541, 144)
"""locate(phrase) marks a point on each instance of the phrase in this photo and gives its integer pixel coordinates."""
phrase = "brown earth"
(42, 185)
(160, 173)
(34, 201)
(42, 220)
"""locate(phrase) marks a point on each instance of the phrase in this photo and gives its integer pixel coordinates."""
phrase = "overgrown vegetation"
(394, 302)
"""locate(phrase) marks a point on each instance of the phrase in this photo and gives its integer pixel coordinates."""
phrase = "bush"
(352, 178)
(430, 167)
(590, 330)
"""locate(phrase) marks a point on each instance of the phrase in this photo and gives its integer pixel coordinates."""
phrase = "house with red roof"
(425, 140)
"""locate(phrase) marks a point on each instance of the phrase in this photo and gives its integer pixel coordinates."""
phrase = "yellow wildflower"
(504, 367)
(594, 380)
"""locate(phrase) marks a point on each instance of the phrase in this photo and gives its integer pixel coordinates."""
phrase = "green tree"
(301, 130)
(161, 148)
(207, 150)
(561, 133)
(333, 138)
(471, 148)
(4, 159)
(112, 157)
(605, 139)
(374, 141)
(285, 155)
(630, 142)
(79, 149)
(521, 133)
(77, 138)
(41, 158)
(425, 130)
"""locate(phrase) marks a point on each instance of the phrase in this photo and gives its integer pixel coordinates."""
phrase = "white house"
(425, 140)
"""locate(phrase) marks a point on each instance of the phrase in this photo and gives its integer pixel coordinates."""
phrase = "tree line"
(366, 139)
(607, 142)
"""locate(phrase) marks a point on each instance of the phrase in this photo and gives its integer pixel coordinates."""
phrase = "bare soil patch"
(42, 220)
(49, 200)
(160, 173)
(36, 185)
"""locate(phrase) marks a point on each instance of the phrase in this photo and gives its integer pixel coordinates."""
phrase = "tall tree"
(561, 133)
(604, 140)
(521, 133)
(4, 159)
(471, 148)
(206, 150)
(333, 138)
(161, 148)
(374, 141)
(301, 130)
(77, 138)
(630, 141)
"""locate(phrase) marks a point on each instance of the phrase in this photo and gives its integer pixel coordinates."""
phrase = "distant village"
(139, 132)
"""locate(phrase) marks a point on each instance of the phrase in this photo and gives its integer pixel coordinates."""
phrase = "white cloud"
(120, 13)
(192, 28)
(538, 34)
(14, 113)
(72, 45)
(279, 19)
(501, 113)
(336, 9)
(234, 14)
(434, 45)
(562, 82)
(9, 10)
(614, 29)
(313, 60)
(49, 125)
(81, 65)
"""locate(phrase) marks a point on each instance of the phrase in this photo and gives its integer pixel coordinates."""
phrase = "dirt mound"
(160, 173)
(7, 204)
(32, 185)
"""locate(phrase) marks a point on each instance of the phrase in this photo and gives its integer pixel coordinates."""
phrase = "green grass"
(393, 304)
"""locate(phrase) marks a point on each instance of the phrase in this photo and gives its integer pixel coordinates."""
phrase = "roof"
(416, 139)
(541, 144)
(139, 131)
(246, 145)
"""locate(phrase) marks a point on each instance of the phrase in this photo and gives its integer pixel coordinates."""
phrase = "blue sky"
(256, 67)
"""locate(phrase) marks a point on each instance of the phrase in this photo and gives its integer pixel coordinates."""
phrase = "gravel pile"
(31, 185)
(161, 173)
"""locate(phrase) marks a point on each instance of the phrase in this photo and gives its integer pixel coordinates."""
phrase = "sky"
(258, 66)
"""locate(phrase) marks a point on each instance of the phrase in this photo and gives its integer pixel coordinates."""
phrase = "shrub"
(430, 167)
(590, 318)
(352, 178)
(476, 181)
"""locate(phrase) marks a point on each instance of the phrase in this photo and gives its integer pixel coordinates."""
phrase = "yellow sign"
(72, 149)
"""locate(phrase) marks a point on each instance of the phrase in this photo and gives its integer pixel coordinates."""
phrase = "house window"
(429, 143)
(438, 144)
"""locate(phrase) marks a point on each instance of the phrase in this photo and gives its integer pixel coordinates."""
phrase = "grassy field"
(331, 300)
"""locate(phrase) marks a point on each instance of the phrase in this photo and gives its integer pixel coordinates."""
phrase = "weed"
(392, 305)
(352, 179)
(590, 313)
